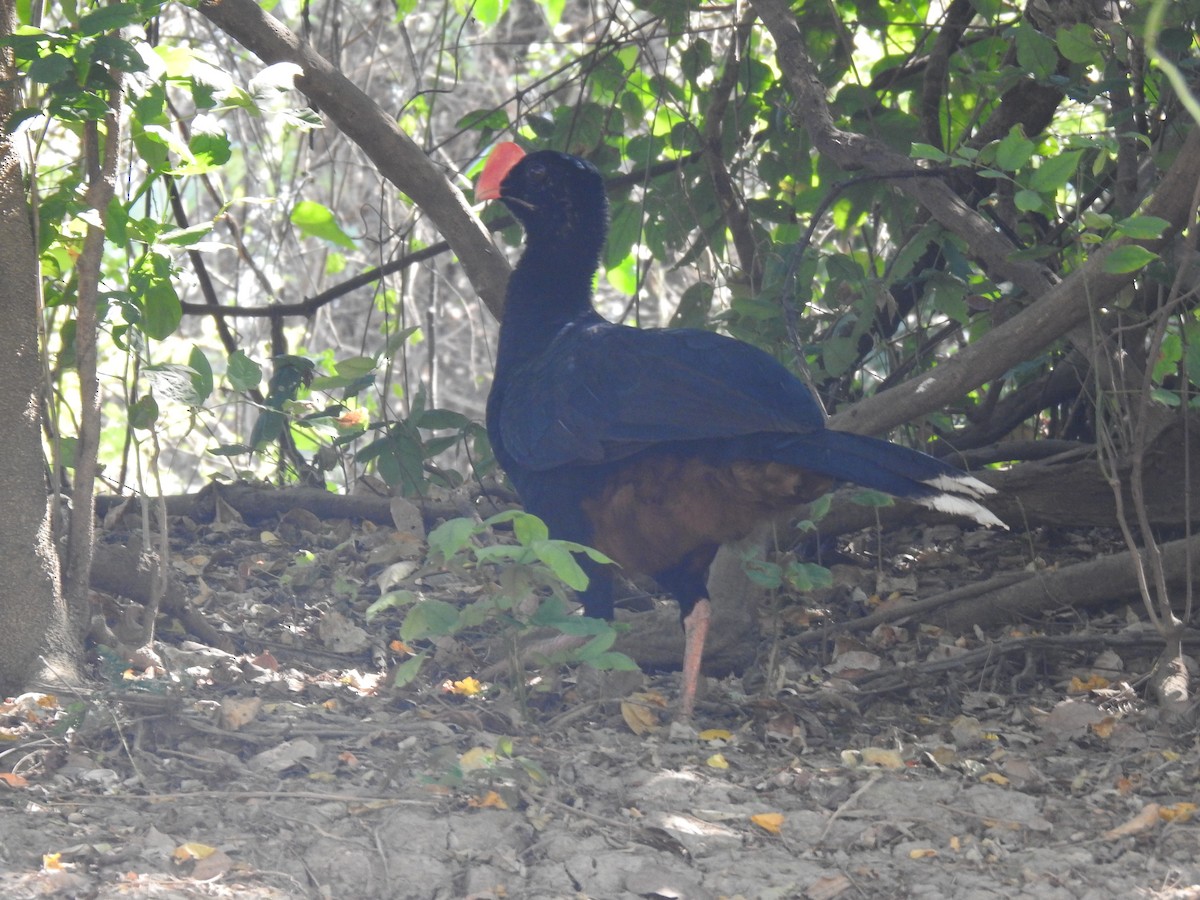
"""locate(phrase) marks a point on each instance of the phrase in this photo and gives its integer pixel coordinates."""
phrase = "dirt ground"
(289, 765)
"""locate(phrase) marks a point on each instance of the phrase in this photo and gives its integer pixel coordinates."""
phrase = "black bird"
(656, 446)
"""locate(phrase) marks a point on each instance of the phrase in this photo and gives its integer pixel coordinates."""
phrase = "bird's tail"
(884, 466)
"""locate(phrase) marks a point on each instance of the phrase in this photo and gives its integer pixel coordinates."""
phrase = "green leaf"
(1035, 52)
(392, 600)
(1128, 258)
(108, 18)
(186, 237)
(210, 150)
(442, 418)
(763, 573)
(1027, 200)
(1142, 228)
(429, 618)
(1055, 172)
(227, 450)
(452, 536)
(243, 372)
(560, 561)
(1167, 398)
(529, 529)
(408, 670)
(927, 151)
(144, 413)
(1078, 44)
(163, 310)
(865, 497)
(317, 220)
(613, 661)
(202, 375)
(174, 382)
(1014, 151)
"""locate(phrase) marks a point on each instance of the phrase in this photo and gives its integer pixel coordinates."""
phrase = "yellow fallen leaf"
(925, 853)
(715, 734)
(490, 800)
(1104, 728)
(51, 862)
(878, 756)
(193, 850)
(476, 758)
(772, 823)
(1177, 812)
(994, 778)
(717, 761)
(467, 687)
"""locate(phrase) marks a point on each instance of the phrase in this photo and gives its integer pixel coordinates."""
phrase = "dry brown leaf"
(828, 887)
(640, 711)
(237, 712)
(1145, 820)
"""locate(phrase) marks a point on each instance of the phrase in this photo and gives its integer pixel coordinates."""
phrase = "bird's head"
(559, 199)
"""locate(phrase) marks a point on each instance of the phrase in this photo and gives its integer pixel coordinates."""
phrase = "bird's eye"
(537, 173)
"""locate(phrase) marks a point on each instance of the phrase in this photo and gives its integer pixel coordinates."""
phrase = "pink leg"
(695, 630)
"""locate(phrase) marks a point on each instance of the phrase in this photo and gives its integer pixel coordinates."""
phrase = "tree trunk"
(33, 619)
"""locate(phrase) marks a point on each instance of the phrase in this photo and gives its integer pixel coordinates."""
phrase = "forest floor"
(290, 765)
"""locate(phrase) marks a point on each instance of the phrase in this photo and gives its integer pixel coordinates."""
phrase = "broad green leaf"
(202, 375)
(243, 372)
(452, 536)
(442, 418)
(1055, 172)
(763, 573)
(561, 563)
(392, 600)
(1014, 151)
(163, 310)
(866, 497)
(1165, 397)
(1035, 52)
(186, 237)
(144, 413)
(1128, 258)
(1027, 200)
(408, 670)
(316, 220)
(529, 529)
(174, 382)
(1078, 43)
(1142, 228)
(429, 618)
(109, 18)
(927, 151)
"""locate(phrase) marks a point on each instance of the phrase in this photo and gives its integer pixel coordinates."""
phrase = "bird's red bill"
(499, 164)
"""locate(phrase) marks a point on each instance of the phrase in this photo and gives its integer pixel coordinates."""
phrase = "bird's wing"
(602, 392)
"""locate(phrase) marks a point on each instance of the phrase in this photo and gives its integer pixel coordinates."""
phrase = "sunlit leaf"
(317, 220)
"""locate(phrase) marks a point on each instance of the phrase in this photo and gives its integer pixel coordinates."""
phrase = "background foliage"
(346, 338)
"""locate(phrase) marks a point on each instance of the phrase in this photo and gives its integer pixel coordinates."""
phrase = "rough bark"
(34, 640)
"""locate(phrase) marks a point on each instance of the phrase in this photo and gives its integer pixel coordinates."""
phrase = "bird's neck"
(545, 293)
